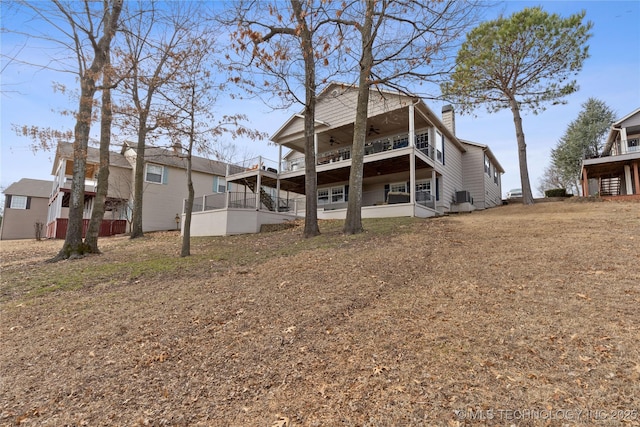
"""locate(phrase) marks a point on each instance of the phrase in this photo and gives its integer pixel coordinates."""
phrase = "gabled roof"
(65, 151)
(30, 187)
(615, 129)
(487, 150)
(329, 92)
(163, 156)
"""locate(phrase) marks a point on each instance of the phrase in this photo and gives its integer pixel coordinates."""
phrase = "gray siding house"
(25, 206)
(616, 173)
(414, 165)
(164, 190)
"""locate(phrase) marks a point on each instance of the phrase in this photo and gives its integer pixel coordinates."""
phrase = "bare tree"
(84, 31)
(193, 95)
(286, 47)
(106, 118)
(152, 38)
(402, 43)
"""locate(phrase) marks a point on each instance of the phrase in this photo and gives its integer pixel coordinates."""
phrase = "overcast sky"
(611, 74)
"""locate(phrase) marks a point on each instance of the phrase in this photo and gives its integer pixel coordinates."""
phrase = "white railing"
(246, 200)
(373, 146)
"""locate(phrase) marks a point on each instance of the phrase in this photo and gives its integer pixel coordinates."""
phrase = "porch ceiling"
(386, 124)
(607, 168)
(371, 169)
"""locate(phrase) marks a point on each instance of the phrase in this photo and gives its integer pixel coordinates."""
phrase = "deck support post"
(636, 177)
(585, 183)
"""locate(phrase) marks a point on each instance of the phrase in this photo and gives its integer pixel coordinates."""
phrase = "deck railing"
(373, 146)
(245, 200)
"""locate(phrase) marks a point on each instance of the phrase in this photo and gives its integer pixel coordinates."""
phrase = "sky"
(611, 74)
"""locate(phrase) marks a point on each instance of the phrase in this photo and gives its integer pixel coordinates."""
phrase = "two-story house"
(165, 187)
(414, 164)
(616, 172)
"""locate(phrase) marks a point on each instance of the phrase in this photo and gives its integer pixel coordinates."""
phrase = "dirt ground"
(524, 316)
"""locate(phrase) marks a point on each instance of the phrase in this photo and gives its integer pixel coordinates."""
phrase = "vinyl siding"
(19, 223)
(340, 110)
(451, 179)
(161, 202)
(474, 176)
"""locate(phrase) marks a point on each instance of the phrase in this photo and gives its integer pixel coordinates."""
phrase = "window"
(332, 195)
(633, 145)
(219, 184)
(323, 196)
(399, 187)
(439, 147)
(423, 186)
(155, 173)
(487, 165)
(495, 175)
(337, 194)
(18, 202)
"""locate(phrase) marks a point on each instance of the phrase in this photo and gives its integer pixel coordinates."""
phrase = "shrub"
(556, 192)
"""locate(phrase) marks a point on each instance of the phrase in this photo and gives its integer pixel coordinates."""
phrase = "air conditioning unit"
(463, 197)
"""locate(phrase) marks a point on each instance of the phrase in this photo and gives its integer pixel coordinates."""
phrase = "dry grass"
(416, 322)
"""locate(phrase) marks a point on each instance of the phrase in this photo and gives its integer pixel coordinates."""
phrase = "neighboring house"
(114, 221)
(165, 188)
(414, 165)
(616, 172)
(25, 206)
(165, 183)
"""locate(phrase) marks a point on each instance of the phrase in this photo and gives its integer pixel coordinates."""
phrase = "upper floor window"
(18, 202)
(155, 173)
(487, 165)
(495, 175)
(219, 184)
(440, 147)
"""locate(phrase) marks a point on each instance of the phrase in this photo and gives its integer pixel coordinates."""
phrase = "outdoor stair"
(610, 186)
(265, 198)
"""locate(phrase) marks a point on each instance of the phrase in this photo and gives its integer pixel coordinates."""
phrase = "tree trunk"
(353, 221)
(188, 208)
(138, 181)
(73, 245)
(527, 197)
(97, 215)
(311, 228)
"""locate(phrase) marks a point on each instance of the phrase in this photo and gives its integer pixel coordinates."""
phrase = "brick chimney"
(449, 118)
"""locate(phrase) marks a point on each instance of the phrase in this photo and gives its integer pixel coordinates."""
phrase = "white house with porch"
(414, 165)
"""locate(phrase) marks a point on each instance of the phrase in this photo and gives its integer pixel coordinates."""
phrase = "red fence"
(109, 227)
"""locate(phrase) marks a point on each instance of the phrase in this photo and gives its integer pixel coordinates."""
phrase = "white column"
(315, 146)
(434, 191)
(627, 180)
(412, 177)
(624, 148)
(258, 183)
(278, 173)
(412, 126)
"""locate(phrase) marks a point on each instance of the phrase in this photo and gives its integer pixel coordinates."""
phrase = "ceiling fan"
(373, 130)
(332, 141)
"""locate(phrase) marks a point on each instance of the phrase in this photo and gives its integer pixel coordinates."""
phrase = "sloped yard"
(511, 316)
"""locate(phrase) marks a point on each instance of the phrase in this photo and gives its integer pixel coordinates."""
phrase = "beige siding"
(340, 109)
(451, 179)
(120, 183)
(493, 192)
(473, 175)
(20, 223)
(161, 202)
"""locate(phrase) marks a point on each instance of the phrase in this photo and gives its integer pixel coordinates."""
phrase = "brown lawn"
(511, 316)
